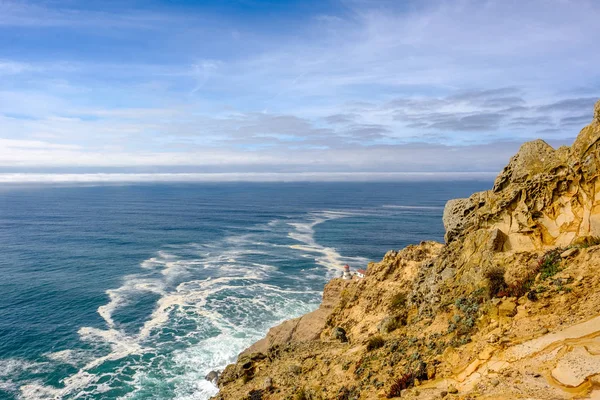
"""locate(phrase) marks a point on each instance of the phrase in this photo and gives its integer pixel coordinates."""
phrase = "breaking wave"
(200, 305)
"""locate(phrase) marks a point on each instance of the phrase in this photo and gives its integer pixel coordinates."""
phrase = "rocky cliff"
(507, 308)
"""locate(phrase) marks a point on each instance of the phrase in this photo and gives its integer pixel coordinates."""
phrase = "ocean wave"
(328, 257)
(210, 306)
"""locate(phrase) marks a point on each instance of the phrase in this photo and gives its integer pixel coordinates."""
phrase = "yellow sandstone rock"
(507, 308)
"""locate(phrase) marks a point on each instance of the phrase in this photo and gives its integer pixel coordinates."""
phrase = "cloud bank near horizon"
(329, 87)
(116, 178)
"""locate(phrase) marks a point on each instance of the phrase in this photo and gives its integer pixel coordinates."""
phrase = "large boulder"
(455, 217)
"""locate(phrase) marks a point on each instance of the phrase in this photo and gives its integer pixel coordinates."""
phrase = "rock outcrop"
(508, 308)
(305, 328)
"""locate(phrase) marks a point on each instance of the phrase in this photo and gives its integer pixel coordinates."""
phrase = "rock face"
(508, 308)
(543, 197)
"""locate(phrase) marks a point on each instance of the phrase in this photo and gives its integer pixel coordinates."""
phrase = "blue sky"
(290, 88)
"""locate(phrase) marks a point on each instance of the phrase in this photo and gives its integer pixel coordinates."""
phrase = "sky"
(289, 90)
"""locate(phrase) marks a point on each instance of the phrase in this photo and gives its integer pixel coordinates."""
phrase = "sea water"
(138, 291)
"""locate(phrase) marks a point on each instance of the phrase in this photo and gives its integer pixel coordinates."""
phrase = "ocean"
(138, 291)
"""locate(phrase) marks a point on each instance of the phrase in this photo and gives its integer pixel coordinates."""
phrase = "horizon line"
(49, 178)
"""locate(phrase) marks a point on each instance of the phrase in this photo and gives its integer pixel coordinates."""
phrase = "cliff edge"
(507, 308)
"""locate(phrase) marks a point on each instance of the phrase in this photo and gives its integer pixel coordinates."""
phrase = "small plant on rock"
(549, 263)
(404, 382)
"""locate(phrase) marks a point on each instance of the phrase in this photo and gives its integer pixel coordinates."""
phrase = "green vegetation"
(549, 264)
(463, 322)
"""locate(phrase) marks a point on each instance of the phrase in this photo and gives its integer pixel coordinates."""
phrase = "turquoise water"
(137, 292)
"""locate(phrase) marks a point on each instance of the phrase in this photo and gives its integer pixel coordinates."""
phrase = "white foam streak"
(329, 257)
(414, 207)
(226, 303)
(134, 285)
(70, 356)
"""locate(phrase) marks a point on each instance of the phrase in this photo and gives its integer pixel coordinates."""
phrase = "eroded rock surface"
(508, 308)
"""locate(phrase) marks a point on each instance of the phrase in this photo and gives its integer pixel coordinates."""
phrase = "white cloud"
(440, 85)
(14, 68)
(10, 145)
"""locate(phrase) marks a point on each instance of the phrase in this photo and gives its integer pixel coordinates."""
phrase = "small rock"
(544, 331)
(443, 393)
(387, 325)
(569, 252)
(495, 382)
(268, 383)
(213, 377)
(486, 353)
(452, 389)
(255, 394)
(430, 371)
(339, 333)
(507, 308)
(532, 296)
(295, 369)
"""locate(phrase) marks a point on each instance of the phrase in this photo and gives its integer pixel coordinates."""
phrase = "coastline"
(506, 308)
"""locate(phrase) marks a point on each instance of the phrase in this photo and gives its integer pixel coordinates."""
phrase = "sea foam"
(211, 305)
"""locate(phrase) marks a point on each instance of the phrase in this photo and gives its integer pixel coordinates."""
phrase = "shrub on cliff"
(549, 264)
(404, 382)
(375, 342)
(495, 280)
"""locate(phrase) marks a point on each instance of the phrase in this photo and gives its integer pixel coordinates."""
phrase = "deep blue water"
(138, 291)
